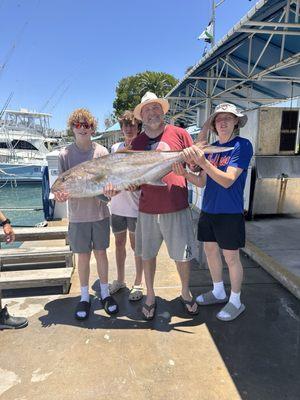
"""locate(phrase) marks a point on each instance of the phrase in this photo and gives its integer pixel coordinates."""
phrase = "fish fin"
(157, 183)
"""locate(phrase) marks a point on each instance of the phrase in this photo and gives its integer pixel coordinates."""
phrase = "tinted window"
(22, 145)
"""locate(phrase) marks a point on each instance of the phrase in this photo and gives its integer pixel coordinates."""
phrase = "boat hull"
(20, 173)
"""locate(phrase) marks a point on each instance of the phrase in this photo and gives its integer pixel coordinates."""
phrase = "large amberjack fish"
(122, 169)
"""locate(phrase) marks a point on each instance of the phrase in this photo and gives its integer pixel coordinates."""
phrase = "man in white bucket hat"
(164, 212)
(221, 223)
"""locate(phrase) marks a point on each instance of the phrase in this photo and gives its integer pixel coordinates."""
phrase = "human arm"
(239, 160)
(203, 134)
(7, 229)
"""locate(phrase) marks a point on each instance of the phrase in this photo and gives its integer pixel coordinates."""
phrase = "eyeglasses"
(84, 125)
(150, 143)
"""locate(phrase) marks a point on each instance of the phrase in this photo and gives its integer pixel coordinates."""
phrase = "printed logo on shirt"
(218, 160)
(188, 252)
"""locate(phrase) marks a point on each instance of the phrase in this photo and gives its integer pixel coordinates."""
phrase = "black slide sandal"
(109, 302)
(83, 306)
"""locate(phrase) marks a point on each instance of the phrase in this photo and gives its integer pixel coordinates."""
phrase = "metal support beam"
(280, 78)
(275, 24)
(269, 32)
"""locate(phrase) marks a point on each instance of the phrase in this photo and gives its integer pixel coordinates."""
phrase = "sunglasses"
(84, 125)
(150, 143)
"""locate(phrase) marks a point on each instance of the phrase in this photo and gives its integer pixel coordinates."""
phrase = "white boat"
(25, 140)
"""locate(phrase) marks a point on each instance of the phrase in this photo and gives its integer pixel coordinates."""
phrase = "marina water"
(22, 203)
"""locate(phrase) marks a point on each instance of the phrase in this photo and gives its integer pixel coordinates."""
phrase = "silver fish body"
(121, 169)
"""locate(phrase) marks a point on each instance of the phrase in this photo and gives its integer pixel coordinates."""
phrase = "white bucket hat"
(150, 97)
(227, 108)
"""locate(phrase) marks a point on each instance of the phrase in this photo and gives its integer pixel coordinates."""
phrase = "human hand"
(109, 190)
(194, 155)
(9, 233)
(178, 169)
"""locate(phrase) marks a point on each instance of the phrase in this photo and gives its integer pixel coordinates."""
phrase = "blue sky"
(67, 54)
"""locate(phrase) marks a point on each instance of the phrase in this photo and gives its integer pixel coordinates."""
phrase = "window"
(23, 145)
(288, 130)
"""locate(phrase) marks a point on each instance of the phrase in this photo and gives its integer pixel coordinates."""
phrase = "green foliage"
(130, 89)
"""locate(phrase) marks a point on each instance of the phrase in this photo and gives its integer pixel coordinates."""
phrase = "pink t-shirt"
(126, 203)
(88, 209)
(174, 196)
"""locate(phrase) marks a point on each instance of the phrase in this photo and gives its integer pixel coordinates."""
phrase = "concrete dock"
(173, 357)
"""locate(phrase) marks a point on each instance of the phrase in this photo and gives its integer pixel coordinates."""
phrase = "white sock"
(235, 299)
(105, 293)
(85, 296)
(219, 290)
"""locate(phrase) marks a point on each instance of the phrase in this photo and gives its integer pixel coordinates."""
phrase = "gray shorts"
(176, 229)
(120, 224)
(87, 236)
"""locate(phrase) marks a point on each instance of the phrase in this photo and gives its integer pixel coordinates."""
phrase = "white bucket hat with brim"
(148, 98)
(227, 108)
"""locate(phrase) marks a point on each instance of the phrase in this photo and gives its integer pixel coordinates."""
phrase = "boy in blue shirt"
(221, 224)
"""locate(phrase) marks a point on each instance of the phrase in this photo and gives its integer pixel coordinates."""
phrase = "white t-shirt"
(125, 204)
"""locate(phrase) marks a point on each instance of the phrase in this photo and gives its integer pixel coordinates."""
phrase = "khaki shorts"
(120, 224)
(176, 229)
(87, 236)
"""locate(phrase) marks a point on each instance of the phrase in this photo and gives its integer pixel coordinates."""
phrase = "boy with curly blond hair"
(89, 228)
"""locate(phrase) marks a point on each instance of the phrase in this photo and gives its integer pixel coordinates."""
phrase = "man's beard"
(154, 124)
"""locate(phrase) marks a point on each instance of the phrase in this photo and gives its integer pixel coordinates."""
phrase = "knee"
(120, 241)
(211, 249)
(231, 257)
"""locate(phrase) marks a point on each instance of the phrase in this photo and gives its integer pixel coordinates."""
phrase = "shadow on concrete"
(261, 349)
(61, 312)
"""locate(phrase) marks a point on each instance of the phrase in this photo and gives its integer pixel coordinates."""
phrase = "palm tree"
(156, 82)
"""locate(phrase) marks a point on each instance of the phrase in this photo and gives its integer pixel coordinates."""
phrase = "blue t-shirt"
(217, 199)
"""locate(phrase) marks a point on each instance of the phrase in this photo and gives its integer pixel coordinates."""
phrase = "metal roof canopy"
(256, 63)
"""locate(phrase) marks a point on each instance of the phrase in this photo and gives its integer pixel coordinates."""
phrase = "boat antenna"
(6, 104)
(12, 48)
(60, 97)
(52, 95)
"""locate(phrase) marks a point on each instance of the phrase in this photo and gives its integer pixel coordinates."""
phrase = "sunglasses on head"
(84, 125)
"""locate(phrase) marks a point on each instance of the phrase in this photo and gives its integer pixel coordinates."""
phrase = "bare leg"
(120, 241)
(84, 268)
(214, 260)
(102, 265)
(138, 262)
(183, 269)
(149, 272)
(232, 258)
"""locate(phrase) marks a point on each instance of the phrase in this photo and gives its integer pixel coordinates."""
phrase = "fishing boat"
(25, 140)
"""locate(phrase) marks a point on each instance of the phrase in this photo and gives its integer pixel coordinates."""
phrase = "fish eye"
(63, 179)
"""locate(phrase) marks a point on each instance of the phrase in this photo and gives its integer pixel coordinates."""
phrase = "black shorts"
(228, 230)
